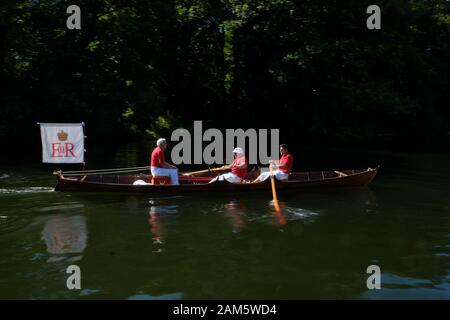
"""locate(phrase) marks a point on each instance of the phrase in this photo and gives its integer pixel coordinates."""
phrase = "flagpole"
(84, 145)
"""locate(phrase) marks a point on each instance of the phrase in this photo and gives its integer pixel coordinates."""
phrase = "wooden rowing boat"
(296, 181)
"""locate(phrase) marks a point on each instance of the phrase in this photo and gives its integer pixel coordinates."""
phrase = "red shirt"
(157, 159)
(288, 161)
(241, 173)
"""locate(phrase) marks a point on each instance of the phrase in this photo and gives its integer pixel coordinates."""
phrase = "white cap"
(238, 150)
(160, 141)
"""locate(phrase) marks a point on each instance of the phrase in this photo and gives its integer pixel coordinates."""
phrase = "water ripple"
(25, 190)
(61, 206)
(168, 296)
(300, 214)
(12, 223)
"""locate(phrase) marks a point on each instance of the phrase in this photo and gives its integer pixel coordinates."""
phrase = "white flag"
(62, 142)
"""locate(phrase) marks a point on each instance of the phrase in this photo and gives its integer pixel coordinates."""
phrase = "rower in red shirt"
(238, 168)
(283, 166)
(158, 164)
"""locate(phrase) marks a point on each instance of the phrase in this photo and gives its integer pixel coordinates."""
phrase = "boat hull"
(306, 180)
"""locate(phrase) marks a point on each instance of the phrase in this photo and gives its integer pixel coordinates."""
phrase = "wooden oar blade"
(274, 191)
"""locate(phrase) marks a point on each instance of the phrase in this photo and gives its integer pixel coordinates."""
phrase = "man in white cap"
(238, 168)
(159, 166)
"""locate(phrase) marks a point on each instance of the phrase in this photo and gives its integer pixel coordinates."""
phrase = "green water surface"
(222, 246)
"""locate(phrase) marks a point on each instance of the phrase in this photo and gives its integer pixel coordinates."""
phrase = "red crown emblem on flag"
(62, 136)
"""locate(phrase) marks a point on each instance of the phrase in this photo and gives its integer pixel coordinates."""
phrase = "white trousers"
(230, 177)
(279, 175)
(164, 172)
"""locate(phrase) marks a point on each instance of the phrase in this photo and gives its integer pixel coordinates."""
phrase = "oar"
(204, 171)
(274, 191)
(341, 174)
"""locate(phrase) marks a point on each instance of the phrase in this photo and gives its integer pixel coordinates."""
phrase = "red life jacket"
(157, 159)
(287, 160)
(240, 172)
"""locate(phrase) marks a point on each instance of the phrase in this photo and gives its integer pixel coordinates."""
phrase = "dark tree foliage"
(311, 68)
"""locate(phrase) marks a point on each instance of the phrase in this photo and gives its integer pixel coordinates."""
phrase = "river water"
(232, 246)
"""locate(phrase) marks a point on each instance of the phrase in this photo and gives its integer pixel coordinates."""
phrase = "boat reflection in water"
(65, 234)
(235, 213)
(238, 212)
(279, 215)
(156, 226)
